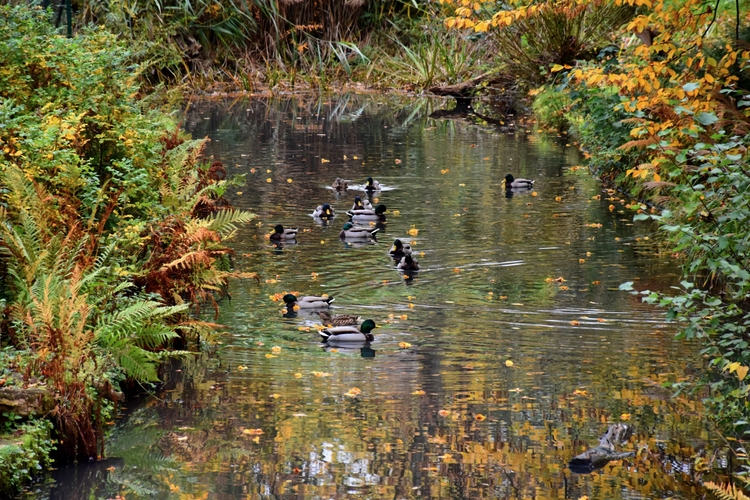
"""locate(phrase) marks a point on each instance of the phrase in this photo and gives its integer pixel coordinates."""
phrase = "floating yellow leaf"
(418, 393)
(241, 368)
(314, 275)
(558, 198)
(411, 306)
(742, 372)
(404, 345)
(269, 180)
(479, 417)
(580, 392)
(275, 396)
(252, 432)
(445, 171)
(289, 181)
(456, 270)
(276, 349)
(404, 317)
(508, 363)
(323, 160)
(239, 193)
(397, 161)
(413, 231)
(297, 375)
(534, 193)
(564, 287)
(322, 242)
(581, 261)
(574, 323)
(444, 413)
(353, 392)
(625, 416)
(270, 356)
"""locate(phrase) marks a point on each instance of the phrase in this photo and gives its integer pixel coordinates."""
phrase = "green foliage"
(550, 107)
(97, 195)
(559, 34)
(23, 454)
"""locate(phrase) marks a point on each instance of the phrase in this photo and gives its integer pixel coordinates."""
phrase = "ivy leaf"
(707, 118)
(689, 87)
(628, 285)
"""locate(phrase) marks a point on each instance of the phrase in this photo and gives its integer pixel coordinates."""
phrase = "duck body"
(339, 184)
(366, 215)
(324, 211)
(408, 263)
(307, 302)
(281, 234)
(349, 231)
(339, 319)
(349, 334)
(513, 183)
(360, 204)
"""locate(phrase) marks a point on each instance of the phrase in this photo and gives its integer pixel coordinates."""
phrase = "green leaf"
(627, 286)
(706, 118)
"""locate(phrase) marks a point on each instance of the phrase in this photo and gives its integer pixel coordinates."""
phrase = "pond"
(509, 352)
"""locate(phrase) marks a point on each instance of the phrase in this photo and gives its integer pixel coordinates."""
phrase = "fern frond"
(638, 144)
(725, 491)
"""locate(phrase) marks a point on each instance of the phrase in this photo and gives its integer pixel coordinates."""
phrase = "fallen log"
(601, 455)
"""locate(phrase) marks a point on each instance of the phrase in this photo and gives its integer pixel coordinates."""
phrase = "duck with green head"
(513, 183)
(372, 185)
(324, 211)
(351, 232)
(360, 204)
(349, 334)
(281, 234)
(377, 214)
(307, 302)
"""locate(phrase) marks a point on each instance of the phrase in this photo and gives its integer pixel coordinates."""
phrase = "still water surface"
(511, 350)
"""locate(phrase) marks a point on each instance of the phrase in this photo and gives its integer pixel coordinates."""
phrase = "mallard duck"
(360, 204)
(513, 183)
(307, 302)
(324, 211)
(339, 184)
(399, 249)
(408, 263)
(349, 333)
(338, 319)
(376, 214)
(351, 232)
(372, 185)
(281, 234)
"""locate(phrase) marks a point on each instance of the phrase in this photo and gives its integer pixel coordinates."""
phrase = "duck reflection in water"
(363, 349)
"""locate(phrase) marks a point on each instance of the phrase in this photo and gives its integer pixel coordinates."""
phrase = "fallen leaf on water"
(239, 193)
(299, 415)
(269, 180)
(508, 363)
(397, 161)
(276, 349)
(321, 374)
(323, 160)
(418, 393)
(404, 345)
(625, 416)
(256, 439)
(580, 392)
(289, 181)
(404, 317)
(271, 356)
(322, 242)
(558, 198)
(252, 432)
(574, 323)
(456, 270)
(534, 193)
(272, 281)
(353, 392)
(410, 306)
(241, 368)
(480, 417)
(110, 469)
(275, 396)
(581, 261)
(413, 231)
(601, 320)
(444, 413)
(564, 288)
(445, 171)
(297, 375)
(597, 282)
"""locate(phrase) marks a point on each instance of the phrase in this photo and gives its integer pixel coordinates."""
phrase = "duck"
(307, 302)
(349, 333)
(352, 232)
(408, 263)
(339, 319)
(372, 185)
(324, 211)
(360, 204)
(339, 184)
(513, 183)
(281, 234)
(399, 250)
(376, 214)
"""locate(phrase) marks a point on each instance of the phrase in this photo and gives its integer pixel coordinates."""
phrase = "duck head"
(397, 246)
(509, 180)
(290, 299)
(347, 226)
(326, 209)
(367, 326)
(279, 229)
(369, 183)
(358, 202)
(380, 209)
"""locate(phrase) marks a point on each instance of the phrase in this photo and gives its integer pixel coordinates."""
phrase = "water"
(509, 352)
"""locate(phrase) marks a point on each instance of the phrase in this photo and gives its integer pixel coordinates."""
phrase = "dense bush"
(110, 223)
